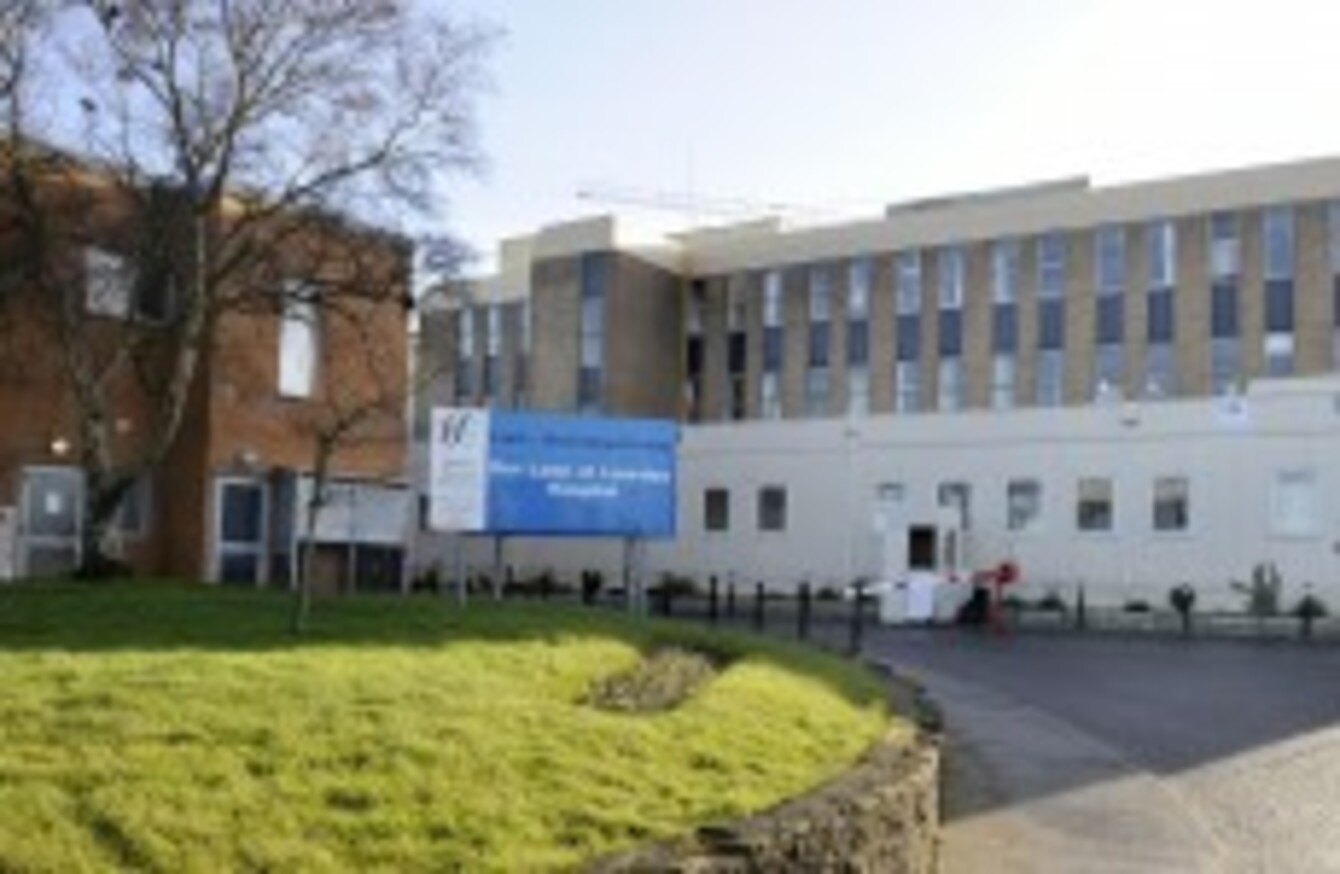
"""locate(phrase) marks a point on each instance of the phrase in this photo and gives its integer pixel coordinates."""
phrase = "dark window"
(595, 274)
(951, 333)
(909, 338)
(858, 343)
(737, 353)
(1051, 324)
(819, 344)
(242, 509)
(716, 510)
(772, 349)
(1111, 320)
(1224, 310)
(772, 508)
(693, 354)
(462, 380)
(1160, 316)
(588, 388)
(1005, 327)
(1279, 305)
(737, 396)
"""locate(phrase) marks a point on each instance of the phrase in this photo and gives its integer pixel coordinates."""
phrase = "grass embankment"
(179, 729)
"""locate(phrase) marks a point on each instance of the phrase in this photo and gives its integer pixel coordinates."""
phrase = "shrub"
(1052, 602)
(674, 585)
(1310, 607)
(1013, 602)
(828, 593)
(1136, 605)
(1182, 598)
(1262, 594)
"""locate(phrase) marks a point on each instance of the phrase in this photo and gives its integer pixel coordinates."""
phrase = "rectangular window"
(816, 392)
(951, 264)
(858, 343)
(957, 496)
(772, 349)
(737, 352)
(1050, 387)
(951, 385)
(1005, 271)
(1225, 246)
(818, 344)
(1051, 324)
(858, 391)
(1109, 372)
(493, 331)
(132, 518)
(109, 283)
(693, 314)
(1279, 242)
(1110, 259)
(595, 273)
(821, 294)
(1225, 364)
(1224, 310)
(859, 274)
(772, 299)
(736, 310)
(1161, 246)
(1004, 327)
(738, 401)
(1023, 505)
(716, 509)
(1110, 316)
(589, 389)
(1172, 504)
(299, 343)
(1094, 505)
(909, 338)
(1293, 503)
(525, 326)
(1051, 265)
(1002, 382)
(950, 335)
(1160, 371)
(909, 282)
(770, 402)
(772, 508)
(907, 386)
(1279, 355)
(1160, 316)
(1279, 305)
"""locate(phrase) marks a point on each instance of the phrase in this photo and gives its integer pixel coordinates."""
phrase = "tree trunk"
(302, 604)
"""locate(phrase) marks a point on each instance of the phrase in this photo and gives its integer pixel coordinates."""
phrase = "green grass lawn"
(183, 729)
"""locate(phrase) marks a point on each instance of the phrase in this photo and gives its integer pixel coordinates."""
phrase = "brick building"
(1122, 386)
(227, 503)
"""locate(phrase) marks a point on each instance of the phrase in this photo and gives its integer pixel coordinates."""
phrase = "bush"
(1013, 602)
(1135, 605)
(1310, 607)
(828, 593)
(1052, 602)
(1182, 598)
(1262, 594)
(674, 585)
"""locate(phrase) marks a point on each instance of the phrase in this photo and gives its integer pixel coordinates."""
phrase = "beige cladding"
(556, 307)
(1312, 292)
(1136, 311)
(644, 345)
(715, 374)
(1251, 294)
(1191, 307)
(839, 273)
(1026, 314)
(977, 326)
(749, 289)
(882, 320)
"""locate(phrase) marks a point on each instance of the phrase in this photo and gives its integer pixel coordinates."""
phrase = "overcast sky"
(848, 104)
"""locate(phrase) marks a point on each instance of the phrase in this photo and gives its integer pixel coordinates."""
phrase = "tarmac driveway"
(1119, 754)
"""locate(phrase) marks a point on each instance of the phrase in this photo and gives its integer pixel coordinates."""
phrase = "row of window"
(1294, 506)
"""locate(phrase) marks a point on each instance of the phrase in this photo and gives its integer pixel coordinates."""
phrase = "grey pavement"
(1100, 754)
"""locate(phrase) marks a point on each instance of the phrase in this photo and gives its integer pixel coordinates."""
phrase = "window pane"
(769, 400)
(1051, 324)
(1004, 270)
(958, 496)
(1224, 310)
(858, 343)
(951, 332)
(820, 294)
(858, 292)
(1279, 355)
(818, 344)
(1160, 371)
(1279, 305)
(1051, 265)
(1094, 505)
(1002, 382)
(716, 510)
(909, 338)
(1225, 248)
(858, 391)
(772, 508)
(1109, 372)
(816, 392)
(242, 510)
(907, 386)
(772, 298)
(951, 277)
(1111, 319)
(109, 281)
(909, 282)
(1161, 241)
(297, 347)
(1049, 378)
(1279, 242)
(1225, 364)
(1110, 258)
(951, 385)
(1023, 500)
(1172, 504)
(1005, 327)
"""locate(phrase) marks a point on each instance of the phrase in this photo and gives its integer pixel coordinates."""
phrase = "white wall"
(831, 469)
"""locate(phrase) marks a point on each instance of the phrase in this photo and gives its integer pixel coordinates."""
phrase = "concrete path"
(1028, 793)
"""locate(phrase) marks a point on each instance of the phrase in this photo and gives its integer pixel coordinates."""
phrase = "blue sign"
(578, 476)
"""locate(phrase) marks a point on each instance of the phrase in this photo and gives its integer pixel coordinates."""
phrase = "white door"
(240, 524)
(50, 521)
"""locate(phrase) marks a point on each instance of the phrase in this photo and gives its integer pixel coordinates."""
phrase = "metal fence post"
(759, 596)
(730, 603)
(857, 619)
(803, 615)
(712, 600)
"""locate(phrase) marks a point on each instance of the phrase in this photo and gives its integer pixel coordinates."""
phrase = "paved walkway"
(1027, 793)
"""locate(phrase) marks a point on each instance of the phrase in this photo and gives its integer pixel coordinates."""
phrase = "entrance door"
(50, 521)
(239, 530)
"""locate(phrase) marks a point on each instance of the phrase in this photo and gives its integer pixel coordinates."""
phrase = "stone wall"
(880, 816)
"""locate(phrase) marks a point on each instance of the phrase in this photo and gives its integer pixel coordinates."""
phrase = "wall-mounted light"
(60, 446)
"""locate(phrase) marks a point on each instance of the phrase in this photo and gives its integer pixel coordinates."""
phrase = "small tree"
(1183, 600)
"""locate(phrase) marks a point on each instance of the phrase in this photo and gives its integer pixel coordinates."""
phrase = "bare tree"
(210, 135)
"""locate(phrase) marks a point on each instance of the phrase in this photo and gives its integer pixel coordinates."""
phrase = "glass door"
(50, 521)
(240, 514)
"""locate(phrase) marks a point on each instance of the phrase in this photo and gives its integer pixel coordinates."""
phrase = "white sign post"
(458, 476)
